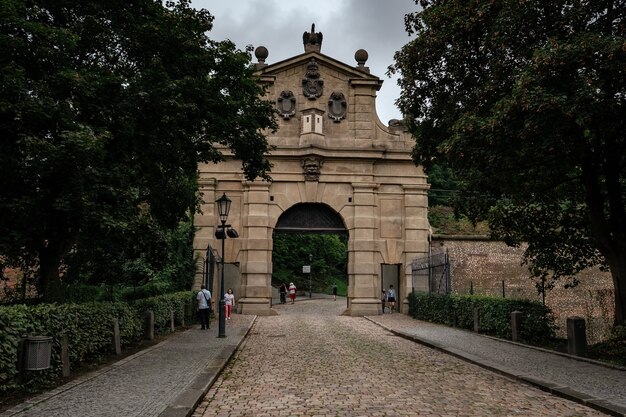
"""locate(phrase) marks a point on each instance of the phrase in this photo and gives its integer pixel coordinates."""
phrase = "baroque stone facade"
(332, 152)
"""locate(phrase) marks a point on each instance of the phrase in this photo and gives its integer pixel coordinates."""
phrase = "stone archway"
(304, 220)
(332, 153)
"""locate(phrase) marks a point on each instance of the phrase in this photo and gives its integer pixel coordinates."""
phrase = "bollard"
(148, 329)
(65, 355)
(172, 324)
(21, 347)
(576, 336)
(117, 343)
(476, 319)
(516, 325)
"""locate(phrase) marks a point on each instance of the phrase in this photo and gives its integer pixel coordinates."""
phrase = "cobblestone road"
(310, 361)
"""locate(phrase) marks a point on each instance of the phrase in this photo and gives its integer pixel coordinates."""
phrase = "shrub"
(88, 328)
(495, 314)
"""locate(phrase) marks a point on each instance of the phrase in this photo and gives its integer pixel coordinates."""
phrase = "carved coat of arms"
(337, 106)
(286, 104)
(312, 85)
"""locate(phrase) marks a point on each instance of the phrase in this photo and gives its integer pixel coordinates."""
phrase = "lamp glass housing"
(223, 207)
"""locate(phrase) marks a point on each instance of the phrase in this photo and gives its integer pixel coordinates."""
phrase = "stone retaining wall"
(484, 265)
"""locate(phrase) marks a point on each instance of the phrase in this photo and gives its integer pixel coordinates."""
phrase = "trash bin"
(38, 350)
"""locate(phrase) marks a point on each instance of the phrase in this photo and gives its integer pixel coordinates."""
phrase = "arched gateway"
(335, 166)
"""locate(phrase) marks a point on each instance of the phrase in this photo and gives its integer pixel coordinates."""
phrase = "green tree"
(325, 253)
(443, 187)
(525, 101)
(106, 108)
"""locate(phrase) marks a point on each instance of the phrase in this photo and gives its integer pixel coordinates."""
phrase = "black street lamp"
(223, 208)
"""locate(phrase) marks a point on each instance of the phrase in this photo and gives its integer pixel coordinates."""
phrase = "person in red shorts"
(292, 292)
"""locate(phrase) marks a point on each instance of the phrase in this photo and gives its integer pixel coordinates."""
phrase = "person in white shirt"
(229, 300)
(391, 299)
(204, 307)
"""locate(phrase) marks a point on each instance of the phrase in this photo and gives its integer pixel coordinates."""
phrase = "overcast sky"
(347, 25)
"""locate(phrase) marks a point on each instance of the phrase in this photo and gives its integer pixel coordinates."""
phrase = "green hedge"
(89, 330)
(495, 314)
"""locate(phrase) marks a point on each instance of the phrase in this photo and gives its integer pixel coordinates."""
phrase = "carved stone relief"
(311, 166)
(286, 104)
(312, 85)
(337, 106)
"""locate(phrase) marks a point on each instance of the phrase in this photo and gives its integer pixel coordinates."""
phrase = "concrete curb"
(192, 395)
(545, 385)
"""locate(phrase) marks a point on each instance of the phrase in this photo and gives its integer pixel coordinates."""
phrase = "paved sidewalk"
(587, 382)
(165, 380)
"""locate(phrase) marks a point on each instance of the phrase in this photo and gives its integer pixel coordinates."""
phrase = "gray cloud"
(374, 25)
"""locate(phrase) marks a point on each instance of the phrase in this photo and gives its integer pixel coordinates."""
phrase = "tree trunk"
(50, 279)
(618, 272)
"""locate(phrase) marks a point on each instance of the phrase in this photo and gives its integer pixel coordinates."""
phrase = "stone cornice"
(353, 73)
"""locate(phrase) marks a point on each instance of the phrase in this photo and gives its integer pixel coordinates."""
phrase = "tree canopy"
(326, 254)
(524, 100)
(106, 109)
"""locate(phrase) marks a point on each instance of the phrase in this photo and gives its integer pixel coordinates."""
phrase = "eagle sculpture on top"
(312, 38)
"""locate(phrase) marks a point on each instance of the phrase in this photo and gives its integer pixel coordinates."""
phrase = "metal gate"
(436, 268)
(211, 260)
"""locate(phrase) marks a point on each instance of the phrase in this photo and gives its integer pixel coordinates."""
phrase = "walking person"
(391, 299)
(229, 300)
(292, 292)
(335, 292)
(204, 307)
(283, 293)
(383, 299)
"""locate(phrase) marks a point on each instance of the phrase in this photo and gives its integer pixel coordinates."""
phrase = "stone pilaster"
(204, 223)
(256, 251)
(364, 280)
(417, 232)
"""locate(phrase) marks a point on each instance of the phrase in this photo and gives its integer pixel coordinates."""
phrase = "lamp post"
(310, 273)
(223, 207)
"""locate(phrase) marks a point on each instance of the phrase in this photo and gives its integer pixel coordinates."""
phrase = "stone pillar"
(65, 356)
(256, 251)
(576, 336)
(516, 325)
(205, 225)
(364, 269)
(117, 345)
(416, 233)
(476, 319)
(148, 325)
(172, 323)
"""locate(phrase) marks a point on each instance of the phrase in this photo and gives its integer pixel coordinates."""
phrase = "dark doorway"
(311, 250)
(390, 275)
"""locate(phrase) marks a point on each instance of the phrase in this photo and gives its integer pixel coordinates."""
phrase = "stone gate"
(333, 157)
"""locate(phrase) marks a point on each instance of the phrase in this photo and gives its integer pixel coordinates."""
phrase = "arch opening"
(310, 249)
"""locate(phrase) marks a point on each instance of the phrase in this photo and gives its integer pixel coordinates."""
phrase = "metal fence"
(211, 260)
(435, 268)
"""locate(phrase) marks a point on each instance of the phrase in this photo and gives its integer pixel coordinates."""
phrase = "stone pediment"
(326, 103)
